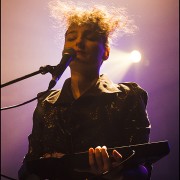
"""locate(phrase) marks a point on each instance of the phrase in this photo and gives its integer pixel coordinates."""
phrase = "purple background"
(28, 41)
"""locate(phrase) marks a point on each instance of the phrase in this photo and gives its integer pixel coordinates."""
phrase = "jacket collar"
(103, 86)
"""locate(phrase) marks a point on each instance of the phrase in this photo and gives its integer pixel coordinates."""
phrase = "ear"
(106, 53)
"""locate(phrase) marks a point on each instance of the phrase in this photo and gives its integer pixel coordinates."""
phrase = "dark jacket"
(106, 114)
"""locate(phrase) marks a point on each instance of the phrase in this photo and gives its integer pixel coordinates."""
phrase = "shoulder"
(131, 85)
(50, 96)
(45, 100)
(135, 89)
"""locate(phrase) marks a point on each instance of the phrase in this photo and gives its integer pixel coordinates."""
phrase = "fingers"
(105, 158)
(99, 159)
(117, 156)
(92, 162)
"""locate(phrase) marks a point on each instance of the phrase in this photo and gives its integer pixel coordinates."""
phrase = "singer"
(90, 112)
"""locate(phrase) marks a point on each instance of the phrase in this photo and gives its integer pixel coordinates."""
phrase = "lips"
(80, 53)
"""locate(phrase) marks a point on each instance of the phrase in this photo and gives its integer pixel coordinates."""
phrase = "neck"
(81, 82)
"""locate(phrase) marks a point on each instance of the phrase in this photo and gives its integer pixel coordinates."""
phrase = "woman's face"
(88, 44)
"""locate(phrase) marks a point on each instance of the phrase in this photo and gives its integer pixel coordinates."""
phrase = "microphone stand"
(43, 70)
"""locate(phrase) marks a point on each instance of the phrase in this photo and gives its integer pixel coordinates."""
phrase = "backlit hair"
(110, 22)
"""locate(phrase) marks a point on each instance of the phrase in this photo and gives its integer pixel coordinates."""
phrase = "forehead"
(92, 29)
(82, 28)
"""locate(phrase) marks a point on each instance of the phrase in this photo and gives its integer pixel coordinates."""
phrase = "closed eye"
(91, 36)
(88, 34)
(71, 38)
(71, 35)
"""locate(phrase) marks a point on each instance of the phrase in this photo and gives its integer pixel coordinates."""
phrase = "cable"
(43, 70)
(14, 106)
(7, 177)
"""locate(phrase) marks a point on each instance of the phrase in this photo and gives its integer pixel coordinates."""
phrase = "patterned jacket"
(107, 114)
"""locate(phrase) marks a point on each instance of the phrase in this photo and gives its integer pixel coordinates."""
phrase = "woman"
(90, 112)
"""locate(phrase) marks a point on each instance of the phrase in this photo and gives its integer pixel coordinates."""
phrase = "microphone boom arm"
(43, 70)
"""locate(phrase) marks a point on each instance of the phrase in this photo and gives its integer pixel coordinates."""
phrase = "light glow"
(117, 64)
(135, 56)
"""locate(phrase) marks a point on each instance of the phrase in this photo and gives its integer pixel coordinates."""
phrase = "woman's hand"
(100, 161)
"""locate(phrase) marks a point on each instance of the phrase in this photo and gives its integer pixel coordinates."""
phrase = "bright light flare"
(135, 56)
(117, 65)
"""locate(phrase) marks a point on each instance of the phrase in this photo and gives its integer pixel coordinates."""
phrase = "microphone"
(67, 56)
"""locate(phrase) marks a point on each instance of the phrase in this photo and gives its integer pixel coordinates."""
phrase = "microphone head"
(70, 52)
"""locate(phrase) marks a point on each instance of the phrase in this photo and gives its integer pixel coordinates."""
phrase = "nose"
(80, 42)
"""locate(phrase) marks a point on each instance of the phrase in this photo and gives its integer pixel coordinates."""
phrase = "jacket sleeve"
(35, 142)
(36, 136)
(137, 126)
(137, 129)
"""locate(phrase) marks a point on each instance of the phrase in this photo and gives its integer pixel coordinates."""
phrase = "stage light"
(135, 56)
(117, 64)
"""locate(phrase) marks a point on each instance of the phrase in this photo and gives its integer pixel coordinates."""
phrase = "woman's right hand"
(100, 161)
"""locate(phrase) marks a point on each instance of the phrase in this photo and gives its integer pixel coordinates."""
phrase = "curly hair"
(109, 22)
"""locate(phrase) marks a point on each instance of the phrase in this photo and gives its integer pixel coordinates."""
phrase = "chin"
(79, 60)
